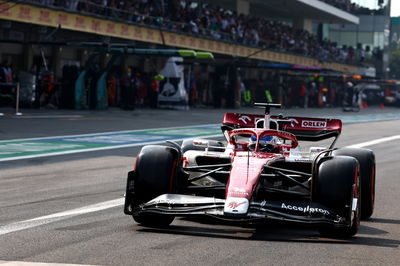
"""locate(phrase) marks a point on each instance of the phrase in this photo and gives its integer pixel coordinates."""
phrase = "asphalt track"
(67, 208)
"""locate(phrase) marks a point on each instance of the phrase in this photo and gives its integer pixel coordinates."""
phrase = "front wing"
(186, 205)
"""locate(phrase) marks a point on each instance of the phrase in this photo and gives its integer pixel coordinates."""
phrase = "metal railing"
(10, 90)
(133, 16)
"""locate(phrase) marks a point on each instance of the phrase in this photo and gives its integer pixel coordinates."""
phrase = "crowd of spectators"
(217, 23)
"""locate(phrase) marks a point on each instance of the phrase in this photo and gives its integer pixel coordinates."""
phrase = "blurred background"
(97, 54)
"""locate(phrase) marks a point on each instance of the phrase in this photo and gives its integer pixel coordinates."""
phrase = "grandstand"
(273, 37)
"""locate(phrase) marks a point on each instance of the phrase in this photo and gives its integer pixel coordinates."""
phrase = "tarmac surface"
(53, 122)
(68, 208)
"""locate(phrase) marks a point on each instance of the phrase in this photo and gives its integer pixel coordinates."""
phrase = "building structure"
(395, 33)
(34, 35)
(372, 34)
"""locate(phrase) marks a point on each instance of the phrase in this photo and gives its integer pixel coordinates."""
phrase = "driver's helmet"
(267, 143)
(263, 140)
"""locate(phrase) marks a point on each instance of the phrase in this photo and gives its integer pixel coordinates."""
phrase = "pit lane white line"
(374, 142)
(29, 263)
(105, 147)
(47, 116)
(18, 226)
(109, 132)
(31, 223)
(97, 149)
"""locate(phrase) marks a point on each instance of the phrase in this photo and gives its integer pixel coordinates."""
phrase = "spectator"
(217, 23)
(72, 4)
(6, 73)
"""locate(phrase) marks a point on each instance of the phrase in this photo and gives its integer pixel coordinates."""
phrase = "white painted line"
(29, 263)
(97, 149)
(18, 226)
(110, 132)
(374, 142)
(47, 116)
(22, 225)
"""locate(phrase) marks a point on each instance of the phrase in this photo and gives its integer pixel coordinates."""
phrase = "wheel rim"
(373, 185)
(356, 194)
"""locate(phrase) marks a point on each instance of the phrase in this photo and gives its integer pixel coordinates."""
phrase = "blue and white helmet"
(266, 143)
(264, 140)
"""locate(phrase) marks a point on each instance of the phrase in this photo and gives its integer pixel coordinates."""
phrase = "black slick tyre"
(156, 171)
(335, 186)
(366, 159)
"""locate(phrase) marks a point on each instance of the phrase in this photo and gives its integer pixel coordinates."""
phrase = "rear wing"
(304, 128)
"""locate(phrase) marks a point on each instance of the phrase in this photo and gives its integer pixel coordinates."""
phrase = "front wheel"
(337, 186)
(157, 172)
(154, 220)
(366, 159)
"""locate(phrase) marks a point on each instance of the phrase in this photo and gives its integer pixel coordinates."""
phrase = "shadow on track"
(276, 232)
(368, 230)
(384, 221)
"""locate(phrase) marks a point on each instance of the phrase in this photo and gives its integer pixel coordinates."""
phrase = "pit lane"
(42, 186)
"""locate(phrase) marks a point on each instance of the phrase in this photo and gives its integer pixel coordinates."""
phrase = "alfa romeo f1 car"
(258, 174)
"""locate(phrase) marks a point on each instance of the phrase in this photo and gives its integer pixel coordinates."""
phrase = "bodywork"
(241, 183)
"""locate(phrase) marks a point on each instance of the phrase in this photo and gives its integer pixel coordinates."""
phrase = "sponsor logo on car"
(316, 124)
(162, 201)
(306, 209)
(238, 192)
(234, 205)
(293, 122)
(237, 189)
(244, 119)
(300, 160)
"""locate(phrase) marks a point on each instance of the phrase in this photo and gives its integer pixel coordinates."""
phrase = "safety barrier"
(10, 90)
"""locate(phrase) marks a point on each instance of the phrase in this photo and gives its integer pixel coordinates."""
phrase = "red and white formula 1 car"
(260, 174)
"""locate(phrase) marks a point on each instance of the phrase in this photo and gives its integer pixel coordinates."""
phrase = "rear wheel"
(366, 159)
(157, 173)
(337, 186)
